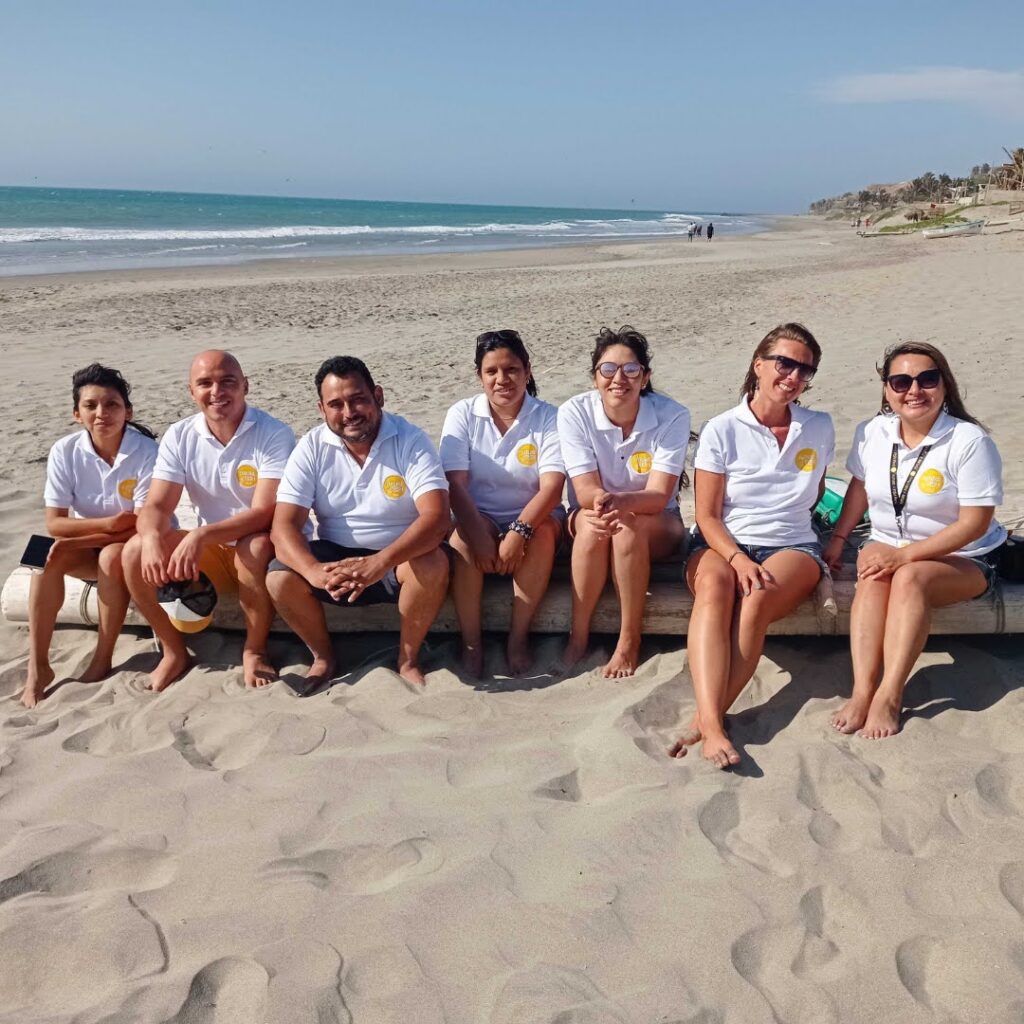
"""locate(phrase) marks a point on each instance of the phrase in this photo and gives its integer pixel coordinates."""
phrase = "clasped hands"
(348, 578)
(606, 517)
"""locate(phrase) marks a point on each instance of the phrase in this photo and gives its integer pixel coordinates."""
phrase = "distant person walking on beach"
(690, 231)
(711, 231)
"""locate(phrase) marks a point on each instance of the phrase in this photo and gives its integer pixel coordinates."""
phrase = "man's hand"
(351, 576)
(184, 561)
(120, 522)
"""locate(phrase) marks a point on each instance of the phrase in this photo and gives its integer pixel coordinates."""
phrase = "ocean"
(56, 230)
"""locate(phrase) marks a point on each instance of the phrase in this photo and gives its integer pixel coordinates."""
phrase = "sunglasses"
(505, 336)
(785, 366)
(631, 370)
(901, 383)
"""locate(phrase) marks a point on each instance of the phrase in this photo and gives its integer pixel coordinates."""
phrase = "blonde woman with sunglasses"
(754, 556)
(931, 478)
(624, 447)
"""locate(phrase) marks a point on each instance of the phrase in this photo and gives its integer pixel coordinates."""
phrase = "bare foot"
(95, 671)
(411, 673)
(518, 654)
(719, 751)
(852, 715)
(575, 651)
(687, 738)
(883, 719)
(320, 672)
(173, 665)
(473, 661)
(623, 661)
(38, 679)
(257, 670)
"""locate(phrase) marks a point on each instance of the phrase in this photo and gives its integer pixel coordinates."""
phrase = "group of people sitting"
(398, 520)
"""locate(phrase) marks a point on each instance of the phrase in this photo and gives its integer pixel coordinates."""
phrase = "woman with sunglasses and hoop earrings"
(754, 555)
(502, 457)
(624, 448)
(96, 480)
(931, 478)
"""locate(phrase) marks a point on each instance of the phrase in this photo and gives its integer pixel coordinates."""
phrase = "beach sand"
(512, 851)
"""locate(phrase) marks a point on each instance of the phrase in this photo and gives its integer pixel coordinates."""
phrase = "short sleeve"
(145, 477)
(550, 459)
(711, 455)
(455, 438)
(298, 482)
(274, 456)
(855, 460)
(60, 485)
(578, 453)
(669, 455)
(979, 474)
(422, 470)
(169, 465)
(830, 440)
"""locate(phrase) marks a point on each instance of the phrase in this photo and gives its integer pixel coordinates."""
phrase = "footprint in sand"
(1011, 884)
(218, 739)
(305, 983)
(739, 835)
(227, 991)
(972, 977)
(358, 870)
(124, 732)
(838, 791)
(550, 994)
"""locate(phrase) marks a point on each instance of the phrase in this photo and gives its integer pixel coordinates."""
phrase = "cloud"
(1001, 90)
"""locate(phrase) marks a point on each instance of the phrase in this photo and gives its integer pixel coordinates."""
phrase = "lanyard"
(899, 499)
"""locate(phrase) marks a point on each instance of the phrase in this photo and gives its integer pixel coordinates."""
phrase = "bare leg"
(252, 556)
(708, 647)
(113, 596)
(300, 608)
(175, 660)
(634, 547)
(867, 631)
(424, 583)
(917, 588)
(529, 585)
(467, 590)
(45, 596)
(590, 561)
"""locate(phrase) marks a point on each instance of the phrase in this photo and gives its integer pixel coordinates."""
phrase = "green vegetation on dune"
(932, 222)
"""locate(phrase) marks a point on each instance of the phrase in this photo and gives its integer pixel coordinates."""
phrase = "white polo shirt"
(80, 480)
(769, 491)
(504, 470)
(367, 506)
(963, 468)
(590, 441)
(221, 478)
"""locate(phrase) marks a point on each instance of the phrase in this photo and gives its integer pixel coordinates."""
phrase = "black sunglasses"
(505, 336)
(785, 366)
(901, 383)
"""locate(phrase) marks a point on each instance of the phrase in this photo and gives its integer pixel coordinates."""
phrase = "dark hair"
(98, 375)
(493, 341)
(954, 403)
(784, 332)
(633, 340)
(343, 366)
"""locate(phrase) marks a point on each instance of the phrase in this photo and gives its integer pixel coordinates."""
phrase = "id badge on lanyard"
(899, 498)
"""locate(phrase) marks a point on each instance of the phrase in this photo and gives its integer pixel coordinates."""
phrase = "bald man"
(230, 458)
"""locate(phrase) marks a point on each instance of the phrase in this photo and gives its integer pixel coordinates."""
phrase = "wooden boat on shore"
(972, 227)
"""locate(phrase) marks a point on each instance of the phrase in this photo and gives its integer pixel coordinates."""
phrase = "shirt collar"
(943, 424)
(646, 418)
(482, 407)
(388, 428)
(202, 428)
(797, 414)
(129, 442)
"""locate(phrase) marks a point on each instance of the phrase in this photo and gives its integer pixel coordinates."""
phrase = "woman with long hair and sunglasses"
(624, 448)
(501, 454)
(754, 556)
(96, 479)
(931, 478)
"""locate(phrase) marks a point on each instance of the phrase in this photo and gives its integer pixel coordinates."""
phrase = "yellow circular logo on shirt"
(126, 488)
(641, 462)
(393, 487)
(527, 454)
(931, 481)
(806, 460)
(246, 475)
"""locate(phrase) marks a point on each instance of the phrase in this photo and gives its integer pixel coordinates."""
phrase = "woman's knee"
(715, 582)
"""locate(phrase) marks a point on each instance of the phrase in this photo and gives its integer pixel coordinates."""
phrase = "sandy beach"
(510, 851)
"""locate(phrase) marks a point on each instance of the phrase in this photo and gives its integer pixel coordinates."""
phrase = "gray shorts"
(760, 553)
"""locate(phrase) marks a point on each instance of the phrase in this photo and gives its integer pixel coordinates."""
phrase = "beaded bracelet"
(525, 530)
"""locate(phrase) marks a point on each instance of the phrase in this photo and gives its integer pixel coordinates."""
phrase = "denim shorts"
(761, 552)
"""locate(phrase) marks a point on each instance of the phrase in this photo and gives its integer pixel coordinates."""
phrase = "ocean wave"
(668, 224)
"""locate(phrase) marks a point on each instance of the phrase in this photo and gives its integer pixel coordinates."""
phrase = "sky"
(718, 106)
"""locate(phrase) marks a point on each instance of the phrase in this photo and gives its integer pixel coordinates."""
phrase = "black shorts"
(384, 591)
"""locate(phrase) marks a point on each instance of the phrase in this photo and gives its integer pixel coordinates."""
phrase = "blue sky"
(682, 106)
